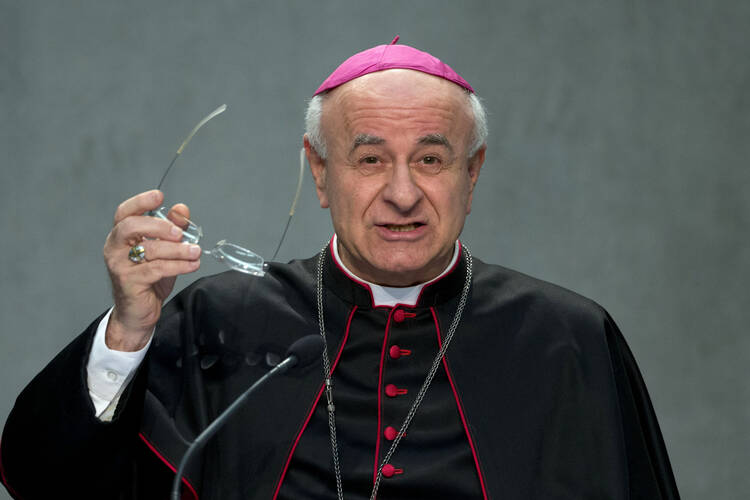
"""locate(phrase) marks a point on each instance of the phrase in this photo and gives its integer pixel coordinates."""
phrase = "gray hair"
(314, 130)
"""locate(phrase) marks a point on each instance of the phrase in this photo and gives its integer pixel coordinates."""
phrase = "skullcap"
(390, 56)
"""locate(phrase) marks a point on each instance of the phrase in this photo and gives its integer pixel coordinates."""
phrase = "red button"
(389, 470)
(398, 315)
(393, 391)
(395, 352)
(390, 433)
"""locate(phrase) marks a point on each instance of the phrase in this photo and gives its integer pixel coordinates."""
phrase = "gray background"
(617, 165)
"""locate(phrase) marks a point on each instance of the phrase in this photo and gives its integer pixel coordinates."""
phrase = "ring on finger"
(137, 254)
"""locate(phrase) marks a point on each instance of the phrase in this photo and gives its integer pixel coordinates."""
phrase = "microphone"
(301, 353)
(304, 351)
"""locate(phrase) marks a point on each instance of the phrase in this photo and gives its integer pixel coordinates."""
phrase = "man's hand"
(139, 289)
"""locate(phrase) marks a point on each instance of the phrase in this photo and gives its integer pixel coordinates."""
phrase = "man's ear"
(475, 165)
(318, 170)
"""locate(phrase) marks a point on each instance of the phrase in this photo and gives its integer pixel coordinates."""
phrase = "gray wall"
(617, 165)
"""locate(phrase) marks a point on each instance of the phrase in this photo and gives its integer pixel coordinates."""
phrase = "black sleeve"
(54, 445)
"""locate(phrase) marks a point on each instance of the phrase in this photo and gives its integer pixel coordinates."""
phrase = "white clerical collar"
(389, 295)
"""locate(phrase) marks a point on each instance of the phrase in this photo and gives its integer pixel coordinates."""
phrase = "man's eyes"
(429, 162)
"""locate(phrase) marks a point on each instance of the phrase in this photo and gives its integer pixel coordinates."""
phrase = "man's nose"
(401, 190)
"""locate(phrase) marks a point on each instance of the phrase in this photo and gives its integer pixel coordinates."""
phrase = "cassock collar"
(351, 289)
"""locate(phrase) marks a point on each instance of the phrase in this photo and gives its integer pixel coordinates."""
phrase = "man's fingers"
(133, 229)
(180, 209)
(179, 214)
(138, 204)
(169, 250)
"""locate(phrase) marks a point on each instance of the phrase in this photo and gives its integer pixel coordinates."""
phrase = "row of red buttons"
(395, 352)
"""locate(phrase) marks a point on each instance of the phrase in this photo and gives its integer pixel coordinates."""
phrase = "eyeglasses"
(234, 256)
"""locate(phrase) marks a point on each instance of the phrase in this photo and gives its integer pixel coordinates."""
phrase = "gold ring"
(137, 254)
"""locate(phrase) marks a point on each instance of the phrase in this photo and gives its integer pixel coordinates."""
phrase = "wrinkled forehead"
(400, 83)
(402, 98)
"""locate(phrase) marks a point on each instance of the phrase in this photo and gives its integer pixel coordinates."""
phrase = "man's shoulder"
(236, 302)
(505, 290)
(235, 313)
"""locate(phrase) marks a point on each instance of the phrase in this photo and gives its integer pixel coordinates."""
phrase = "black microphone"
(301, 353)
(304, 351)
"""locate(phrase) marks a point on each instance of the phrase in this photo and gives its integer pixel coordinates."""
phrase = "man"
(450, 378)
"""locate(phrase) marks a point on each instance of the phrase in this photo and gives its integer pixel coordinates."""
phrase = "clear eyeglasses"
(234, 256)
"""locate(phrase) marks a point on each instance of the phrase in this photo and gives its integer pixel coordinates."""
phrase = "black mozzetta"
(538, 398)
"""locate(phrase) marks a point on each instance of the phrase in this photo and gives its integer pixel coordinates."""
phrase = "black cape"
(554, 404)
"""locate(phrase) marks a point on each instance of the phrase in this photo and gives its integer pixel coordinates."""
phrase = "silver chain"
(420, 395)
(328, 384)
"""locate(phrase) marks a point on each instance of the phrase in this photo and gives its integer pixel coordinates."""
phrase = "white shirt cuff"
(108, 371)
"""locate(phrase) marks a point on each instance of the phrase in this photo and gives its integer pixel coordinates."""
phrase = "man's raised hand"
(139, 289)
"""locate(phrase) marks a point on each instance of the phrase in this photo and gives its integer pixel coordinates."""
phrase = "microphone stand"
(214, 426)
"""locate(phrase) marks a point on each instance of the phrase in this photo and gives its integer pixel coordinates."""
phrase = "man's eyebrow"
(435, 140)
(365, 140)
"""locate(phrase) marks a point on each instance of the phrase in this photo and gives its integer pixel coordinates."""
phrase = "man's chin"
(396, 264)
(401, 274)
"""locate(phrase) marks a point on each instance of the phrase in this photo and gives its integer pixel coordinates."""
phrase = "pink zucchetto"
(390, 56)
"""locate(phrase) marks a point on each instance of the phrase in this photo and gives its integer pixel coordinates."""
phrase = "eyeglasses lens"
(191, 232)
(236, 257)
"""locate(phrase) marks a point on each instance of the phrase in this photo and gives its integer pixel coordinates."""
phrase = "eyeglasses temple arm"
(205, 120)
(294, 202)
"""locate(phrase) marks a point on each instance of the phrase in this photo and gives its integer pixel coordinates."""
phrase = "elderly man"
(449, 378)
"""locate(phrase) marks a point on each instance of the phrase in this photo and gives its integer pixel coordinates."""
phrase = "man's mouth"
(403, 227)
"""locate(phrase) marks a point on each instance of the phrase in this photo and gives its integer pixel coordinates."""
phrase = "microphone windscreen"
(308, 349)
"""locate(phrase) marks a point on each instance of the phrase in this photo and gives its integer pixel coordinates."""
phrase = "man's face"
(397, 178)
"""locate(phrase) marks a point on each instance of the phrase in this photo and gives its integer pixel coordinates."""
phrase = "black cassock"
(538, 397)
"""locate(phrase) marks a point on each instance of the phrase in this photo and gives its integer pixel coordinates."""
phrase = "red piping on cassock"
(172, 467)
(460, 408)
(312, 408)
